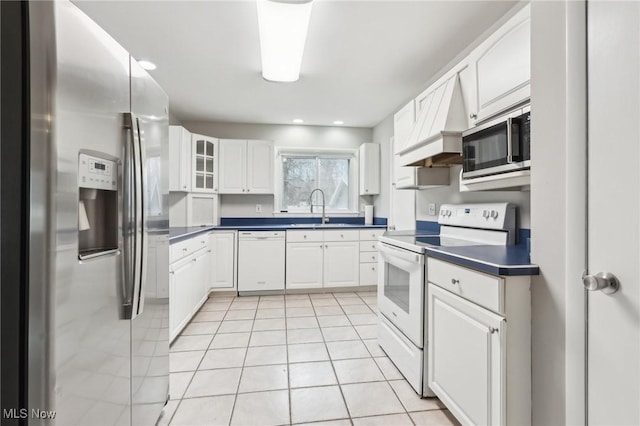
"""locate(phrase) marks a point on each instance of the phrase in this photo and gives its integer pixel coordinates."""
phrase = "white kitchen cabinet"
(181, 274)
(466, 353)
(305, 265)
(202, 209)
(341, 263)
(180, 159)
(222, 261)
(204, 164)
(477, 366)
(331, 258)
(369, 256)
(369, 168)
(501, 68)
(246, 167)
(188, 277)
(403, 122)
(259, 167)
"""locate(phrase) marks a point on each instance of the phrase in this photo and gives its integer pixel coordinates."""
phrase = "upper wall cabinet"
(500, 70)
(180, 159)
(369, 168)
(204, 164)
(246, 166)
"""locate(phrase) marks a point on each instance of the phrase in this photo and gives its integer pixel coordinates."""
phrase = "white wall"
(382, 134)
(282, 136)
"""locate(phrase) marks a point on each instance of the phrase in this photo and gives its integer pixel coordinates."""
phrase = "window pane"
(334, 181)
(299, 179)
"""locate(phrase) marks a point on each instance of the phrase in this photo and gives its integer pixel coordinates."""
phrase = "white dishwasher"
(261, 257)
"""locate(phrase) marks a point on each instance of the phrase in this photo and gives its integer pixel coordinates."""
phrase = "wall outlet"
(258, 208)
(432, 209)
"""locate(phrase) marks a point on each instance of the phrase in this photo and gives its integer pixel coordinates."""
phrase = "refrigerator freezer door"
(150, 326)
(89, 341)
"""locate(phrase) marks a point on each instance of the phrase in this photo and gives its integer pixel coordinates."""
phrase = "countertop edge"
(482, 266)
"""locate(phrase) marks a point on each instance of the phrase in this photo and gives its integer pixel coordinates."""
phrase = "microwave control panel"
(97, 173)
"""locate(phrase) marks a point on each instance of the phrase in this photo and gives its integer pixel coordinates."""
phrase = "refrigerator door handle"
(131, 218)
(142, 228)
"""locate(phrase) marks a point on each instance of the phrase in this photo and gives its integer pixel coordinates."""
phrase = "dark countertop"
(512, 260)
(184, 232)
(494, 260)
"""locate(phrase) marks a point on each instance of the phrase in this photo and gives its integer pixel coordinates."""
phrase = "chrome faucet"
(311, 205)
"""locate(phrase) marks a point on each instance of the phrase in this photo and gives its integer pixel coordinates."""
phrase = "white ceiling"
(363, 59)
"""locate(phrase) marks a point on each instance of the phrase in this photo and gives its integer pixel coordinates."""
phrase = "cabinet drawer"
(304, 236)
(187, 247)
(368, 274)
(371, 234)
(485, 290)
(340, 235)
(369, 257)
(368, 246)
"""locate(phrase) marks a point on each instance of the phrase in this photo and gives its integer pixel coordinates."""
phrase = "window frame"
(349, 154)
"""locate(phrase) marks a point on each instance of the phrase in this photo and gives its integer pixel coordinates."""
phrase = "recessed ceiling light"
(298, 121)
(283, 26)
(338, 122)
(149, 66)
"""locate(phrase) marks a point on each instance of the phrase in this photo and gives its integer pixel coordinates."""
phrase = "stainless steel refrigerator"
(94, 307)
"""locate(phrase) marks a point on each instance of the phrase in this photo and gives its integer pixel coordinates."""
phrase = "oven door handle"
(407, 255)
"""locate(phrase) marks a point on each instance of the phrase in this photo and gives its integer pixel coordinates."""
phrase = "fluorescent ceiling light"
(298, 121)
(338, 122)
(283, 30)
(149, 66)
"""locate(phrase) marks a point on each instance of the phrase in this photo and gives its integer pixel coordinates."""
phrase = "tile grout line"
(194, 373)
(246, 352)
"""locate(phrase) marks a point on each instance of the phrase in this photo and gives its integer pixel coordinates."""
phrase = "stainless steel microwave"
(501, 145)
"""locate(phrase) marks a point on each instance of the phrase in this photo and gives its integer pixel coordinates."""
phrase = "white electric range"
(402, 278)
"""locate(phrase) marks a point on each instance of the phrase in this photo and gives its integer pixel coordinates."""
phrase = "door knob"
(604, 281)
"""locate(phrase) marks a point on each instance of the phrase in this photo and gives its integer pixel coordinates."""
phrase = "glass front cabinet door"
(205, 164)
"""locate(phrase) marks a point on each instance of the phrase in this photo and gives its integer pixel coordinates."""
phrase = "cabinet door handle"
(493, 330)
(473, 116)
(326, 246)
(248, 190)
(454, 281)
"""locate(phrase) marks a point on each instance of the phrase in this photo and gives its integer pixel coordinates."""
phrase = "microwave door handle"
(509, 140)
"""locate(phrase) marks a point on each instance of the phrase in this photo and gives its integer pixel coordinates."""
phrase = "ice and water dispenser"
(97, 206)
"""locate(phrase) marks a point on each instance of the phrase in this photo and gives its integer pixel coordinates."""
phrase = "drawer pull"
(493, 330)
(184, 249)
(373, 268)
(454, 281)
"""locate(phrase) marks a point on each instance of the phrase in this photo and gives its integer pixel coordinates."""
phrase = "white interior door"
(613, 348)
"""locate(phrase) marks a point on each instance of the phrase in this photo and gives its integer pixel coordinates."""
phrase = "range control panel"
(97, 173)
(483, 216)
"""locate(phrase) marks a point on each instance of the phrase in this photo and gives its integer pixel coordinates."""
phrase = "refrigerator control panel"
(97, 173)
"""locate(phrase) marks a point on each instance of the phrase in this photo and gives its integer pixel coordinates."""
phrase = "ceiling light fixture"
(149, 66)
(283, 28)
(338, 122)
(298, 121)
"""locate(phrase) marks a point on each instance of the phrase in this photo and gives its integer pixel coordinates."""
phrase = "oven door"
(401, 290)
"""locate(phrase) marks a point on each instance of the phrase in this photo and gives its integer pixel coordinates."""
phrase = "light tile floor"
(294, 359)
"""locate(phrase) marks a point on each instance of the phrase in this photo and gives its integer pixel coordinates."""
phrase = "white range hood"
(436, 138)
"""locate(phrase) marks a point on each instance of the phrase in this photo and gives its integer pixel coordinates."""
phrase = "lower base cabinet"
(188, 276)
(341, 264)
(222, 260)
(478, 367)
(319, 259)
(304, 266)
